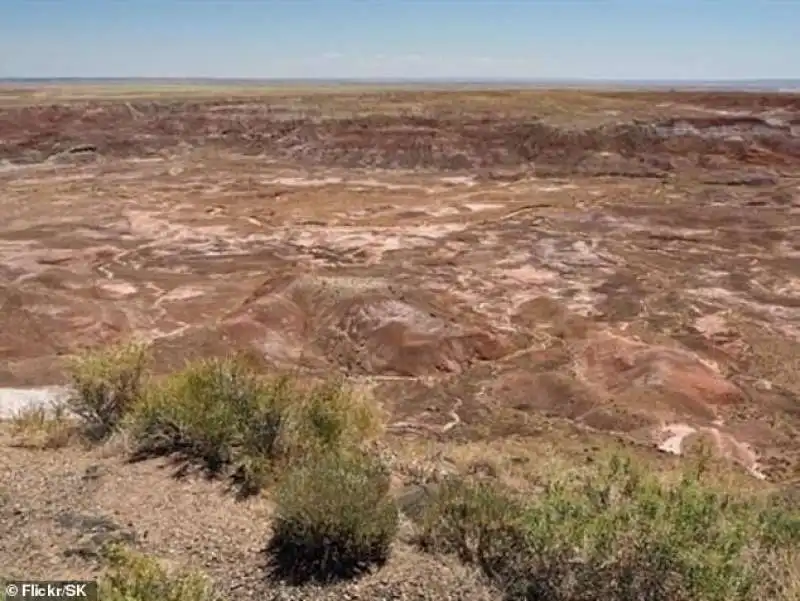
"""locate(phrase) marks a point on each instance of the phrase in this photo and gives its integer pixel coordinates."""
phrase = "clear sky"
(611, 39)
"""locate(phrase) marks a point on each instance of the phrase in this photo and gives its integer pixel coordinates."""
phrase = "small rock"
(764, 385)
(93, 472)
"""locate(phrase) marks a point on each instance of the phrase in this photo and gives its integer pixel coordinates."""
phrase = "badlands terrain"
(517, 276)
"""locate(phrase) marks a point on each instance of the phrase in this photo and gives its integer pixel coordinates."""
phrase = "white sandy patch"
(15, 400)
(782, 318)
(119, 289)
(303, 182)
(790, 287)
(732, 449)
(181, 293)
(556, 188)
(375, 239)
(373, 183)
(528, 274)
(443, 212)
(477, 207)
(459, 180)
(149, 225)
(676, 434)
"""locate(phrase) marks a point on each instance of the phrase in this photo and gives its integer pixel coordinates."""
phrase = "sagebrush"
(222, 414)
(105, 385)
(619, 534)
(334, 519)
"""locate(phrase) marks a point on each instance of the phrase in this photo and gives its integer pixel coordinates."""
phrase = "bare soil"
(594, 267)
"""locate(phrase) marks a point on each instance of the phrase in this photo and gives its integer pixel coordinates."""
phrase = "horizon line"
(772, 85)
(389, 78)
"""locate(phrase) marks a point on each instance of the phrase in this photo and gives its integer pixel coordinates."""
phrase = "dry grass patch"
(44, 427)
(135, 577)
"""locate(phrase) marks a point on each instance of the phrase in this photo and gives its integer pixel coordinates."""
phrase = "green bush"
(221, 414)
(619, 534)
(476, 521)
(105, 386)
(217, 413)
(334, 519)
(135, 577)
(330, 415)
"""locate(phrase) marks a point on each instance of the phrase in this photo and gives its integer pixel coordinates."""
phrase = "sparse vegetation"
(476, 521)
(616, 533)
(136, 577)
(332, 415)
(222, 415)
(106, 384)
(44, 427)
(334, 519)
(620, 534)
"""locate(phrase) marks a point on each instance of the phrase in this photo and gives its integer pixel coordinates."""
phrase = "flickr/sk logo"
(33, 589)
(51, 590)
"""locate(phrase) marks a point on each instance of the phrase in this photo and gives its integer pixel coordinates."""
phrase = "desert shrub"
(475, 520)
(43, 427)
(105, 385)
(334, 519)
(222, 415)
(217, 413)
(331, 415)
(620, 534)
(135, 577)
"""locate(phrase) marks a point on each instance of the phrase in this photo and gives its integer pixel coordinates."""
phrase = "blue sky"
(611, 39)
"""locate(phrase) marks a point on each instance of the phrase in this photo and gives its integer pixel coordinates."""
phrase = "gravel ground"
(60, 509)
